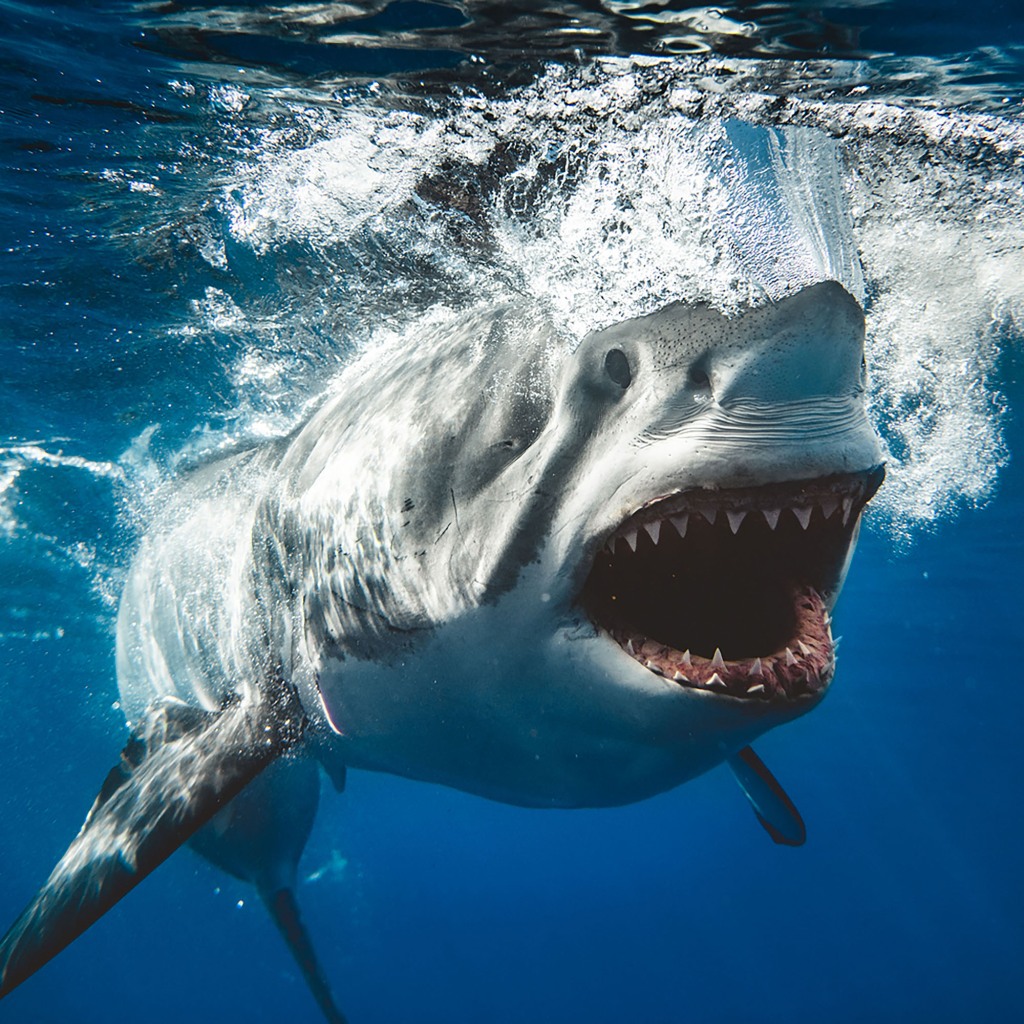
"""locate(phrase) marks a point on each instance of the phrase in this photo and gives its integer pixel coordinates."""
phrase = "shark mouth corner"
(729, 591)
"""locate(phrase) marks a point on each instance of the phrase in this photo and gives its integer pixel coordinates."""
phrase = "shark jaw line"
(728, 592)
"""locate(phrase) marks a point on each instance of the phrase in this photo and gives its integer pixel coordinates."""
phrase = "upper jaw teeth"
(656, 528)
(814, 501)
(736, 519)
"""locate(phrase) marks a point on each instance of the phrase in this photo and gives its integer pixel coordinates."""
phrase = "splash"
(603, 192)
(43, 490)
(15, 460)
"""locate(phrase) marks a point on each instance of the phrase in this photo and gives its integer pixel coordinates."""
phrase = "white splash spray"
(606, 191)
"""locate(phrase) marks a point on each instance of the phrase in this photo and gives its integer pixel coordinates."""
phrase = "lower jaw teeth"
(801, 667)
(791, 673)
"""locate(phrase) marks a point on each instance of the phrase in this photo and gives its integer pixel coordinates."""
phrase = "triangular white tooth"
(735, 519)
(687, 660)
(790, 659)
(718, 661)
(679, 522)
(756, 688)
(803, 517)
(653, 530)
(715, 682)
(630, 649)
(829, 505)
(679, 677)
(847, 508)
(710, 514)
(756, 669)
(771, 516)
(657, 669)
(631, 539)
(804, 649)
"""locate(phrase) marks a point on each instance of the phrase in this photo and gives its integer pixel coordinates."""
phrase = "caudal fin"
(177, 770)
(284, 910)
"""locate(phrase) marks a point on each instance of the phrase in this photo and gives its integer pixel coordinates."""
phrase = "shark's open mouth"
(729, 591)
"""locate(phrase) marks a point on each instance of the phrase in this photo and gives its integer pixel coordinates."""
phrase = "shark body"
(548, 577)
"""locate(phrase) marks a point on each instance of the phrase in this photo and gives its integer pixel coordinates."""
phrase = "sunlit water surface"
(208, 210)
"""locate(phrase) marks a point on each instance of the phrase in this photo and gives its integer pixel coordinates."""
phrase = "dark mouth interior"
(716, 590)
(735, 587)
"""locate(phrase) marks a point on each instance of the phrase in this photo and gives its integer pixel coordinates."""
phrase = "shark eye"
(616, 365)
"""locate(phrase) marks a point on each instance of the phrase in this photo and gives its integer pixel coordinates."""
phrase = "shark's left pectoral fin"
(177, 770)
(774, 809)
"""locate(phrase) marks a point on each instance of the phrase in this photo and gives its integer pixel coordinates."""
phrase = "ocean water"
(207, 210)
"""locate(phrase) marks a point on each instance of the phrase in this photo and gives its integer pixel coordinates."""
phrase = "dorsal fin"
(775, 811)
(179, 767)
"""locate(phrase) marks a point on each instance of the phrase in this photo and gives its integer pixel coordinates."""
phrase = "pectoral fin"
(178, 769)
(285, 912)
(774, 809)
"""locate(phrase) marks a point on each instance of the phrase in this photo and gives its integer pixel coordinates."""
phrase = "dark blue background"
(905, 904)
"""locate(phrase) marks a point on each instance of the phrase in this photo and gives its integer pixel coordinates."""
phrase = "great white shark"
(549, 576)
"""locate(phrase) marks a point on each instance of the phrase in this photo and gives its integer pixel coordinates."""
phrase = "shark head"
(729, 462)
(598, 573)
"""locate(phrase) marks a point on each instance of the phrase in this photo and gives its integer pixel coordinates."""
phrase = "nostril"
(699, 378)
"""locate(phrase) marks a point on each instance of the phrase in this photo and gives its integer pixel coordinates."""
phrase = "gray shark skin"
(548, 577)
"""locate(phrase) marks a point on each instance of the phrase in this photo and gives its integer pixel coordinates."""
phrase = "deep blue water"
(205, 209)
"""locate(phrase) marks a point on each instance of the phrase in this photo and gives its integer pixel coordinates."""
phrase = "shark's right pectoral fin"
(284, 911)
(774, 809)
(178, 769)
(259, 838)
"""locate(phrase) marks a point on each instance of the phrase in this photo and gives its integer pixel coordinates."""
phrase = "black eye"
(617, 367)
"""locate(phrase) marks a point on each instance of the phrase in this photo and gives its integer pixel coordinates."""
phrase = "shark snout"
(809, 345)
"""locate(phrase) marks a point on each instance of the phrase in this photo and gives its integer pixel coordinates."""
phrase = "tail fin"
(176, 771)
(285, 911)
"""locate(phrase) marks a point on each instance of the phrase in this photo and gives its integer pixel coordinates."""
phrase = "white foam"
(17, 462)
(15, 459)
(326, 192)
(606, 191)
(29, 454)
